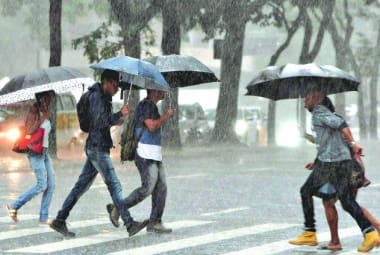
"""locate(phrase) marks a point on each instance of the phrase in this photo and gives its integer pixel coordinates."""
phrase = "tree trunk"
(171, 44)
(132, 48)
(55, 14)
(230, 76)
(373, 89)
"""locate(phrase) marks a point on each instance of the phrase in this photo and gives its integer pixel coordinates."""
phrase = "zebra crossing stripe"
(7, 219)
(96, 239)
(40, 230)
(203, 239)
(283, 245)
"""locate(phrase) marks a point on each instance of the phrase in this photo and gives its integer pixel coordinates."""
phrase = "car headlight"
(241, 127)
(13, 134)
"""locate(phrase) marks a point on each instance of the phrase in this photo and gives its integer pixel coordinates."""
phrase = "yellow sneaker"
(306, 238)
(371, 240)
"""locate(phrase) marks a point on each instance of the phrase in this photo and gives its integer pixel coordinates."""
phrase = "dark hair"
(109, 75)
(327, 102)
(39, 95)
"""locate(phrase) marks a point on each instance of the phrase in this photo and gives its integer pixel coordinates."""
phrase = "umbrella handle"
(129, 93)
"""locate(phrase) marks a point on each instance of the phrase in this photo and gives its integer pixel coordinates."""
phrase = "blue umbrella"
(134, 72)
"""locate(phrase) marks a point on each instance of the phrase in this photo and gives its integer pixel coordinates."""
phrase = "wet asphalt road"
(221, 200)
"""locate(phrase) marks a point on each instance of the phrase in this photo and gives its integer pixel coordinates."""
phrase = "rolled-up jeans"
(44, 173)
(97, 162)
(153, 182)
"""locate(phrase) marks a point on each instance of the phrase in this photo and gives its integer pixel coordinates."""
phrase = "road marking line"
(187, 176)
(96, 239)
(203, 239)
(283, 245)
(21, 217)
(39, 230)
(374, 185)
(226, 211)
(102, 185)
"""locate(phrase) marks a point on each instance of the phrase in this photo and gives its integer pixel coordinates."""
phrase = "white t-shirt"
(46, 125)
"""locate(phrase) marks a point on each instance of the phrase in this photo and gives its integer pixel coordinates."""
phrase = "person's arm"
(101, 119)
(348, 137)
(309, 137)
(329, 119)
(152, 125)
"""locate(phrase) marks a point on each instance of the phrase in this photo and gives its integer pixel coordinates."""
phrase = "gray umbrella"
(182, 71)
(61, 79)
(294, 81)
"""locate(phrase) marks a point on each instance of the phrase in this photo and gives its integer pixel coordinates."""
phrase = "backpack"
(129, 141)
(83, 112)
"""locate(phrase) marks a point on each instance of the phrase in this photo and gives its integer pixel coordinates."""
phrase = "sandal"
(12, 213)
(331, 247)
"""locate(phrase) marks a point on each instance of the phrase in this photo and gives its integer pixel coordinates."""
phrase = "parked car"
(193, 124)
(68, 131)
(249, 126)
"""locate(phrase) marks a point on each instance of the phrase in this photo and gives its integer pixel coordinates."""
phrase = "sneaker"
(60, 227)
(371, 240)
(158, 227)
(113, 215)
(306, 238)
(136, 227)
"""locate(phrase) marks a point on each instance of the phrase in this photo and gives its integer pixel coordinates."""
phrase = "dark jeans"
(339, 177)
(153, 182)
(97, 162)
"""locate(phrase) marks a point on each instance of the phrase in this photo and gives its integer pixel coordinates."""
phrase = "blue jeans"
(97, 162)
(44, 173)
(153, 182)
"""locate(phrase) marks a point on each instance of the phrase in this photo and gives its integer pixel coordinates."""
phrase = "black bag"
(357, 175)
(128, 140)
(83, 112)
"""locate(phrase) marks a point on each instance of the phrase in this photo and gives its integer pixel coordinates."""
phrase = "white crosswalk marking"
(39, 230)
(203, 239)
(283, 245)
(7, 219)
(96, 239)
(226, 211)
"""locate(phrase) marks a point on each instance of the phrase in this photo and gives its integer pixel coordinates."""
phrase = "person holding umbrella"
(38, 117)
(333, 165)
(148, 160)
(97, 149)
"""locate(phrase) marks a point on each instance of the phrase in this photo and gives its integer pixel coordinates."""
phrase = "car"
(67, 125)
(193, 125)
(249, 126)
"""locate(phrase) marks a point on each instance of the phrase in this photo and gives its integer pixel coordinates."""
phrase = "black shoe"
(60, 226)
(158, 227)
(113, 215)
(136, 227)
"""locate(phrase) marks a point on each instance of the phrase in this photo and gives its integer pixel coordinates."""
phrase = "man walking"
(148, 160)
(97, 149)
(333, 165)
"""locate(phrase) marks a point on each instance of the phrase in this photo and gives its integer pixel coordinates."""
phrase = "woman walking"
(38, 117)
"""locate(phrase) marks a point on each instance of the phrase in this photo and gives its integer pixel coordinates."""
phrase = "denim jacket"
(102, 118)
(329, 138)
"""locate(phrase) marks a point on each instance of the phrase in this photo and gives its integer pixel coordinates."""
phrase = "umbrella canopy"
(61, 79)
(182, 71)
(294, 81)
(135, 72)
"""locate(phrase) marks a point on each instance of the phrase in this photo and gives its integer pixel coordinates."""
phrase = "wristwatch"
(352, 144)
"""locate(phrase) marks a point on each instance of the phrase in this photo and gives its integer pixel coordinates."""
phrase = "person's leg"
(159, 195)
(103, 164)
(308, 237)
(48, 193)
(37, 164)
(149, 176)
(84, 182)
(374, 222)
(332, 220)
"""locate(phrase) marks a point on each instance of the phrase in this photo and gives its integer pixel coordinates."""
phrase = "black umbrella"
(182, 71)
(61, 79)
(294, 81)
